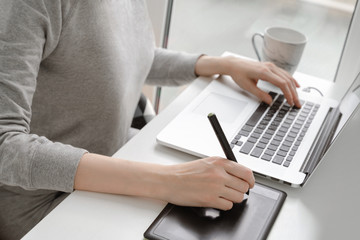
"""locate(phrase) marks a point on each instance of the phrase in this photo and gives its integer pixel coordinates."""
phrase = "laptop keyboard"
(274, 132)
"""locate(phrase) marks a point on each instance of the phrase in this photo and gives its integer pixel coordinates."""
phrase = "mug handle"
(254, 44)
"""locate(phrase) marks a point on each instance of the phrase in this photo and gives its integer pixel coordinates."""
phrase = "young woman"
(71, 73)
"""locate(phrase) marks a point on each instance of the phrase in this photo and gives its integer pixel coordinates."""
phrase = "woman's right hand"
(210, 182)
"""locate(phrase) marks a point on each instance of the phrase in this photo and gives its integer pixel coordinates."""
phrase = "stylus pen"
(222, 138)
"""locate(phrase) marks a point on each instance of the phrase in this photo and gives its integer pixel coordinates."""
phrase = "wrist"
(210, 65)
(149, 180)
(167, 183)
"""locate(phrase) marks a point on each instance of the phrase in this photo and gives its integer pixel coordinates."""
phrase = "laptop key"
(294, 130)
(273, 94)
(252, 140)
(287, 105)
(299, 122)
(306, 111)
(255, 135)
(261, 145)
(287, 143)
(280, 99)
(291, 134)
(286, 125)
(247, 147)
(264, 140)
(281, 153)
(285, 108)
(247, 128)
(286, 164)
(272, 127)
(283, 129)
(284, 148)
(280, 134)
(275, 142)
(272, 147)
(301, 118)
(267, 118)
(269, 152)
(256, 152)
(278, 159)
(291, 118)
(278, 138)
(258, 130)
(269, 131)
(267, 136)
(266, 157)
(264, 122)
(257, 114)
(244, 133)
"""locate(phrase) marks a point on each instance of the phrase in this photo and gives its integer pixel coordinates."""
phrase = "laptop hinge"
(322, 141)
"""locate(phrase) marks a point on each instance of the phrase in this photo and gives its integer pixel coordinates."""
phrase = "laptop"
(276, 141)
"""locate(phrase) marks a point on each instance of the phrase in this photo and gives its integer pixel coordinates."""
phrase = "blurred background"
(215, 26)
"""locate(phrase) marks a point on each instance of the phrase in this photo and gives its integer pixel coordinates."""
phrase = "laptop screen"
(349, 64)
(349, 70)
(349, 103)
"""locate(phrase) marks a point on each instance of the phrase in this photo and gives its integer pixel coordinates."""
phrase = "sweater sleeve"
(29, 32)
(171, 68)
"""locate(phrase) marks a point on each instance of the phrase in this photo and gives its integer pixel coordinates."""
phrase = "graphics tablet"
(251, 219)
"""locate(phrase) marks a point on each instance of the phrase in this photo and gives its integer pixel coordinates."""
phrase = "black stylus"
(222, 138)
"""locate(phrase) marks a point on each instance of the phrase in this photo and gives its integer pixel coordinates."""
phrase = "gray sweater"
(71, 73)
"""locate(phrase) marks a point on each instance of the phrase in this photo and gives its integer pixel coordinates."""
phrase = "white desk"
(326, 208)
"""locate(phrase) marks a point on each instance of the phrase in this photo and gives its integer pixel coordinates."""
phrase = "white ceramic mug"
(282, 46)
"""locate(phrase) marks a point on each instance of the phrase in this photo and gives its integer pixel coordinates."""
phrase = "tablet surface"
(251, 219)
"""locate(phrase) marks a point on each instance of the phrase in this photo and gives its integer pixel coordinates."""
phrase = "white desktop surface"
(326, 208)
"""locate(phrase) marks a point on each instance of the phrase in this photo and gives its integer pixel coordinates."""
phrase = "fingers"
(263, 96)
(236, 181)
(223, 204)
(232, 193)
(247, 73)
(209, 182)
(276, 76)
(293, 84)
(284, 81)
(237, 184)
(233, 196)
(240, 172)
(227, 199)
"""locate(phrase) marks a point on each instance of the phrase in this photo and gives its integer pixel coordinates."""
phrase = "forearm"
(100, 173)
(171, 68)
(211, 182)
(209, 65)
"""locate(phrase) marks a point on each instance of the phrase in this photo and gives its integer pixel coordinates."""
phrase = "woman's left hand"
(247, 73)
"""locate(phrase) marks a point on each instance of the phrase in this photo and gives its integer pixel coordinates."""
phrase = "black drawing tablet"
(251, 219)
